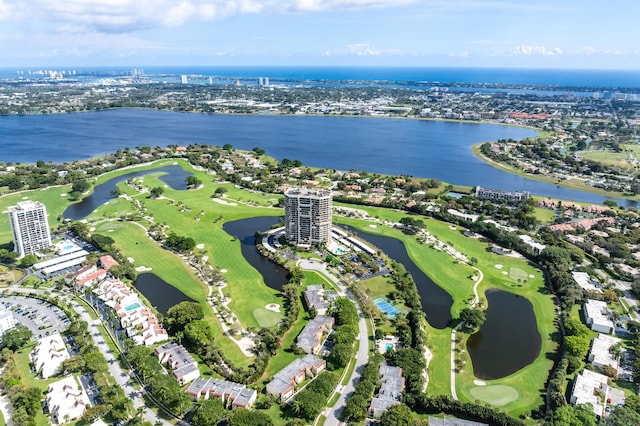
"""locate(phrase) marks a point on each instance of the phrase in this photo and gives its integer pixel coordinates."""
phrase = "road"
(362, 356)
(121, 376)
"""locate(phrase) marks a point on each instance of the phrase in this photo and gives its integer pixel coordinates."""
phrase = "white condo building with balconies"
(30, 227)
(307, 216)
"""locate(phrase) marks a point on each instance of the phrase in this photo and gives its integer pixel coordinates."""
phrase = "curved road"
(362, 356)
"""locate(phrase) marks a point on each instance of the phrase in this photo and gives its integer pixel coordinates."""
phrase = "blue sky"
(466, 33)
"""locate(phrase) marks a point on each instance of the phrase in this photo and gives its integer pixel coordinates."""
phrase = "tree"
(193, 182)
(397, 415)
(219, 191)
(258, 150)
(577, 346)
(80, 186)
(578, 415)
(183, 313)
(102, 242)
(156, 191)
(198, 333)
(340, 354)
(29, 260)
(208, 412)
(472, 318)
(227, 147)
(16, 338)
(609, 371)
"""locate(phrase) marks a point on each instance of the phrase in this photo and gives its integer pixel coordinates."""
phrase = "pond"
(244, 230)
(160, 293)
(436, 302)
(508, 340)
(175, 177)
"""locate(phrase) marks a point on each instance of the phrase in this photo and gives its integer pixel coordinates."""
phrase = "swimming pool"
(132, 307)
(67, 247)
(388, 347)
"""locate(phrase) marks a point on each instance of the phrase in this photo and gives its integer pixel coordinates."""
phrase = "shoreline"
(475, 149)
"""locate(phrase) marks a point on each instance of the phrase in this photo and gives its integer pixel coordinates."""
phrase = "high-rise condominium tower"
(307, 216)
(30, 227)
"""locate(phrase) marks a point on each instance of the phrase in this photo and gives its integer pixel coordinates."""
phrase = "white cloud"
(533, 50)
(131, 15)
(363, 49)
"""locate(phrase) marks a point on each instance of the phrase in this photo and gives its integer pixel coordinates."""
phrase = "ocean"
(565, 78)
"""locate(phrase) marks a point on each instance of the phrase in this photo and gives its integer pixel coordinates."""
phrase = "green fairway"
(497, 395)
(267, 318)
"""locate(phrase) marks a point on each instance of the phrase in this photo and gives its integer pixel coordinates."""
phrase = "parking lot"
(41, 317)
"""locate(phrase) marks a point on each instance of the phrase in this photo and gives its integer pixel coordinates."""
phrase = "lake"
(508, 340)
(433, 149)
(160, 294)
(174, 176)
(244, 230)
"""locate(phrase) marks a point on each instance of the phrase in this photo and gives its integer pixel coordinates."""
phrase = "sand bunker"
(453, 228)
(532, 276)
(505, 273)
(479, 383)
(200, 246)
(64, 194)
(273, 307)
(226, 203)
(223, 270)
(499, 266)
(373, 226)
(131, 259)
(143, 269)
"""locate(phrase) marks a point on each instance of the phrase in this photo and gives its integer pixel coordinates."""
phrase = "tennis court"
(385, 306)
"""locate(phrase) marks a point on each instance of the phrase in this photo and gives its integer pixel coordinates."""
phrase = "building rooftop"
(600, 354)
(598, 312)
(49, 354)
(311, 335)
(584, 281)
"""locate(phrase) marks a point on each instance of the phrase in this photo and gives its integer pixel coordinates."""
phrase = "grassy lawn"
(9, 275)
(377, 286)
(544, 215)
(618, 159)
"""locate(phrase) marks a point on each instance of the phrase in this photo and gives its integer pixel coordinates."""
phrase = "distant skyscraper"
(183, 79)
(266, 81)
(307, 216)
(210, 80)
(30, 227)
(260, 81)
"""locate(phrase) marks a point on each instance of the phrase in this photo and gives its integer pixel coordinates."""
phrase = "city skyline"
(461, 33)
